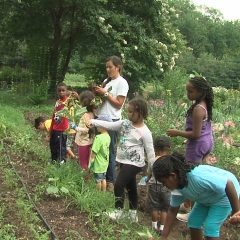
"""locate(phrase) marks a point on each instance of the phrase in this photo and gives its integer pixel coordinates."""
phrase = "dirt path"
(63, 217)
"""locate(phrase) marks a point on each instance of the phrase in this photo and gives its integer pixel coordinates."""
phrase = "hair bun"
(178, 156)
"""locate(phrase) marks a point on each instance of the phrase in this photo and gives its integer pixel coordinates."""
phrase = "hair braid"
(174, 163)
(206, 91)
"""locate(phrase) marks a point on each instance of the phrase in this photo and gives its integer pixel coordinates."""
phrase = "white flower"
(237, 160)
(124, 41)
(101, 19)
(159, 63)
(161, 70)
(122, 55)
(109, 26)
(136, 47)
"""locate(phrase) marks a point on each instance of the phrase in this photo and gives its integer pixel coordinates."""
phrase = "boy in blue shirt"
(215, 192)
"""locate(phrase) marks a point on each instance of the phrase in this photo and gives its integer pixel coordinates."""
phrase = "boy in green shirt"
(99, 158)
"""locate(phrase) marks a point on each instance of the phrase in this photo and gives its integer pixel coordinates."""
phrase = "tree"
(139, 31)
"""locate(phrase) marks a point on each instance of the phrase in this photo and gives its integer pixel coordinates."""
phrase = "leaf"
(52, 190)
(64, 190)
(53, 179)
(146, 234)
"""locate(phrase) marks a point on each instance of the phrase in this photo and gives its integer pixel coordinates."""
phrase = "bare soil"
(66, 220)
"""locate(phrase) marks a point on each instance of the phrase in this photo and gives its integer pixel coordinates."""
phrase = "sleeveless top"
(206, 130)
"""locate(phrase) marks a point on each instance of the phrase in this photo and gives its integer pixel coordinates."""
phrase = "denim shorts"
(99, 176)
(210, 218)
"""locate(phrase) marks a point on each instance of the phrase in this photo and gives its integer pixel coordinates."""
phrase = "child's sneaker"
(62, 162)
(183, 217)
(184, 209)
(133, 216)
(116, 214)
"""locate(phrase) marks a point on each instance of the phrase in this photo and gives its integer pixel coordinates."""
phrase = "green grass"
(75, 80)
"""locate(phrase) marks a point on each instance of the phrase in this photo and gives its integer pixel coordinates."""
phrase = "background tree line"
(42, 40)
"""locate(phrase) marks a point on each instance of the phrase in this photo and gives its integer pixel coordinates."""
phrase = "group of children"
(173, 179)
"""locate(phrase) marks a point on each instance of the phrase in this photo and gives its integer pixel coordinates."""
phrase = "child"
(44, 125)
(215, 192)
(100, 154)
(83, 137)
(198, 129)
(135, 141)
(58, 137)
(158, 195)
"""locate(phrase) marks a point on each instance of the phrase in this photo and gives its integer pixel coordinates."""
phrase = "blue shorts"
(210, 218)
(99, 176)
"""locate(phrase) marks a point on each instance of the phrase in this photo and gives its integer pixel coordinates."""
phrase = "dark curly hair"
(86, 98)
(140, 106)
(201, 85)
(174, 163)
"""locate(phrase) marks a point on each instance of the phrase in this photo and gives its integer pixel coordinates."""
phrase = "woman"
(114, 90)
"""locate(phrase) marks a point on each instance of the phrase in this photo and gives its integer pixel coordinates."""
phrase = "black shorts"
(158, 197)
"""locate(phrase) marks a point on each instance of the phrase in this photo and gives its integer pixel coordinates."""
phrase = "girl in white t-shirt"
(135, 141)
(114, 90)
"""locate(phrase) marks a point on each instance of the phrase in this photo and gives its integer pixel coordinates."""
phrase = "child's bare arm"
(232, 196)
(92, 156)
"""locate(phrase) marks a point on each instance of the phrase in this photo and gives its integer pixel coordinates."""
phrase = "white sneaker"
(115, 215)
(133, 216)
(183, 217)
(184, 209)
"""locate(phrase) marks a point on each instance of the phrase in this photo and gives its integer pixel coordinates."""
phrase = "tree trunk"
(55, 48)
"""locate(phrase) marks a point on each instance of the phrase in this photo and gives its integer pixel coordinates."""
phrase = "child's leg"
(104, 185)
(70, 139)
(215, 219)
(126, 174)
(98, 181)
(84, 154)
(63, 147)
(155, 219)
(70, 152)
(210, 218)
(54, 145)
(196, 234)
(132, 185)
(99, 184)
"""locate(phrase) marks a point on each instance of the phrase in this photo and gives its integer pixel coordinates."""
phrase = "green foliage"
(140, 32)
(214, 44)
(219, 72)
(75, 80)
(10, 76)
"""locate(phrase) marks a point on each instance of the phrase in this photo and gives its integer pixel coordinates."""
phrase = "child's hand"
(89, 124)
(235, 218)
(172, 132)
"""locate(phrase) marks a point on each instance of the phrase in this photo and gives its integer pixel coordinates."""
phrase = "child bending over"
(215, 192)
(44, 125)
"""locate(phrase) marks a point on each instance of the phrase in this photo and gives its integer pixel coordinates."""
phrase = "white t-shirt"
(133, 144)
(118, 87)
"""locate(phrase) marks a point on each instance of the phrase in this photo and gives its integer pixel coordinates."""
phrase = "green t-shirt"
(101, 148)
